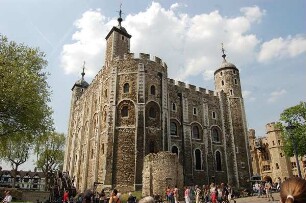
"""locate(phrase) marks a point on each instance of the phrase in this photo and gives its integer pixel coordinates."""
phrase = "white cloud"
(280, 48)
(253, 14)
(88, 45)
(274, 96)
(190, 45)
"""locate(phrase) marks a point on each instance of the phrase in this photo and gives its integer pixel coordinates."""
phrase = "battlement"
(251, 133)
(191, 87)
(271, 127)
(142, 56)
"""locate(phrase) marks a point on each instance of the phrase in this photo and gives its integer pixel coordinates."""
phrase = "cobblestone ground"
(254, 199)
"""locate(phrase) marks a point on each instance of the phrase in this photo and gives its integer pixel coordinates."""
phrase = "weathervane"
(83, 73)
(223, 51)
(120, 15)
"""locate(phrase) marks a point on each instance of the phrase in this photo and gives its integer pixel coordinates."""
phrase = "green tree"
(50, 153)
(15, 151)
(24, 92)
(296, 116)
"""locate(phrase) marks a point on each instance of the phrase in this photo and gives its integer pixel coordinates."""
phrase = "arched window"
(152, 112)
(173, 128)
(198, 161)
(222, 82)
(152, 90)
(195, 132)
(124, 111)
(174, 150)
(126, 88)
(173, 107)
(215, 135)
(218, 161)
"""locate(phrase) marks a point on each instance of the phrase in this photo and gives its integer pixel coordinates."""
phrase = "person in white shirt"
(187, 194)
(7, 198)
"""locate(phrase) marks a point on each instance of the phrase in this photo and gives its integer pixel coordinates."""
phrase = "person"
(197, 194)
(268, 188)
(213, 193)
(66, 196)
(230, 196)
(113, 197)
(168, 190)
(7, 198)
(187, 194)
(279, 182)
(175, 194)
(131, 198)
(102, 196)
(87, 196)
(293, 190)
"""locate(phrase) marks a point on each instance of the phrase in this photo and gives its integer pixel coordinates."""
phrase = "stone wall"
(161, 170)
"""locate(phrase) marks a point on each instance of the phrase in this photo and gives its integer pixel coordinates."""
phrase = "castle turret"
(117, 41)
(78, 89)
(227, 81)
(79, 86)
(227, 78)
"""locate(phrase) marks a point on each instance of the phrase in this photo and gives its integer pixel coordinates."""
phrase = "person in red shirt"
(66, 197)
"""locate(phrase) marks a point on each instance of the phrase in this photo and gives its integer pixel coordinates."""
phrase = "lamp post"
(290, 129)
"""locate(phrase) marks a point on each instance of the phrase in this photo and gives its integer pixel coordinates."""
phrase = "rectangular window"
(214, 115)
(266, 168)
(173, 107)
(242, 164)
(293, 164)
(279, 142)
(273, 143)
(194, 111)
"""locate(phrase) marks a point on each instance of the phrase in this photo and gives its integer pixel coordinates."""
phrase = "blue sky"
(265, 39)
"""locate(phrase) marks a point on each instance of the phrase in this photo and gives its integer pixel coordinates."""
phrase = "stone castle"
(268, 156)
(132, 109)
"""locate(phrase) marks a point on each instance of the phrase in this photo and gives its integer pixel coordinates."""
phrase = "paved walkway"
(258, 200)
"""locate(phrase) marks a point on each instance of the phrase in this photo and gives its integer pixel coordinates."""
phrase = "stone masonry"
(132, 109)
(160, 171)
(268, 156)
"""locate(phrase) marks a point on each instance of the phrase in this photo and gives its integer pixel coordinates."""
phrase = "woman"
(213, 193)
(293, 190)
(113, 197)
(187, 194)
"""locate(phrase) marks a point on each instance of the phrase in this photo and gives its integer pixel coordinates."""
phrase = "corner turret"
(79, 86)
(117, 41)
(227, 78)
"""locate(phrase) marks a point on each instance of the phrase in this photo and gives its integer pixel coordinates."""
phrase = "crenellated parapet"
(270, 127)
(192, 88)
(142, 56)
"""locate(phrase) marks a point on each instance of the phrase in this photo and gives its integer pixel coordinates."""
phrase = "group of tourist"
(263, 189)
(210, 193)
